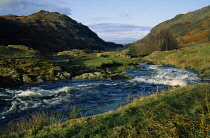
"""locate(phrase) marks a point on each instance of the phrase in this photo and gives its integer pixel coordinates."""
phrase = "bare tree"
(168, 41)
(156, 41)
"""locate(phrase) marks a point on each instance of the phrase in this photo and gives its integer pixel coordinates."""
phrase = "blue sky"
(121, 21)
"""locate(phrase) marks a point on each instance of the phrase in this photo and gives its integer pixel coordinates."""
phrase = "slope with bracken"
(186, 29)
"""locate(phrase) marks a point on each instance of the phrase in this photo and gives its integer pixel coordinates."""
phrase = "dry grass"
(181, 112)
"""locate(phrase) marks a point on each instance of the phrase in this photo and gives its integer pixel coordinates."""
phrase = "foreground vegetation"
(180, 112)
(196, 57)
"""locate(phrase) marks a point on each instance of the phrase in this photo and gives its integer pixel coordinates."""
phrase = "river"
(91, 96)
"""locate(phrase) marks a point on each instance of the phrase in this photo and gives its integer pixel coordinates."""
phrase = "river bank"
(21, 65)
(92, 96)
(181, 112)
(195, 57)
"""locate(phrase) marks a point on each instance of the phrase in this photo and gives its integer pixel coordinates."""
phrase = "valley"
(59, 79)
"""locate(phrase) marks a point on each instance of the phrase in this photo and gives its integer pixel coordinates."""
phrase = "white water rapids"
(167, 75)
(92, 96)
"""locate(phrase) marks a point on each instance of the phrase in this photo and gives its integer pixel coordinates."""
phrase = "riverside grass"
(180, 112)
(195, 57)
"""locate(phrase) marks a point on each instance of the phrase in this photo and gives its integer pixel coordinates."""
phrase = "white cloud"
(120, 33)
(12, 2)
(26, 7)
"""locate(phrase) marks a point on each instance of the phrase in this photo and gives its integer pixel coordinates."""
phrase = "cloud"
(120, 33)
(12, 2)
(26, 7)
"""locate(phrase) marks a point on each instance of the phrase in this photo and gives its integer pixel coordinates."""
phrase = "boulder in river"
(99, 75)
(94, 75)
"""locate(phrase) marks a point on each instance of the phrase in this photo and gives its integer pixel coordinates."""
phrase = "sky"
(120, 21)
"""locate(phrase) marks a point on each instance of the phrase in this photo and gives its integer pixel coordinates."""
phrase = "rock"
(64, 75)
(27, 79)
(99, 75)
(67, 75)
(94, 75)
(51, 78)
(40, 79)
(121, 75)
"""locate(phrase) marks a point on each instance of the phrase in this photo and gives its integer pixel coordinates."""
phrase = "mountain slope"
(184, 30)
(190, 28)
(49, 31)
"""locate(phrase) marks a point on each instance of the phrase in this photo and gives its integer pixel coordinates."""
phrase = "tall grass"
(36, 122)
(181, 112)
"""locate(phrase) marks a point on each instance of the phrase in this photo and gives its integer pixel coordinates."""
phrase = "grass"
(96, 59)
(17, 52)
(21, 65)
(180, 112)
(113, 61)
(97, 62)
(196, 57)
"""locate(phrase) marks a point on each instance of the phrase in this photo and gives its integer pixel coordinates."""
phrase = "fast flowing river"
(91, 96)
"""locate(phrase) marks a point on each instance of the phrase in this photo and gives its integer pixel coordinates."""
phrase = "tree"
(132, 51)
(156, 41)
(167, 41)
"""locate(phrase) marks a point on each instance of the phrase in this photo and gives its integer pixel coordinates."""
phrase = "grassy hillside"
(183, 30)
(181, 112)
(196, 57)
(190, 28)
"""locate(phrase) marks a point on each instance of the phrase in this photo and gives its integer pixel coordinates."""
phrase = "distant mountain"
(49, 32)
(184, 30)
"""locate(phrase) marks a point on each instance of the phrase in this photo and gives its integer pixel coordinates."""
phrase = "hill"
(49, 32)
(182, 31)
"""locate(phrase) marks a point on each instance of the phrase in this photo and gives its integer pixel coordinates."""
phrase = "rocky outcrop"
(18, 72)
(18, 79)
(103, 75)
(94, 75)
(49, 32)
